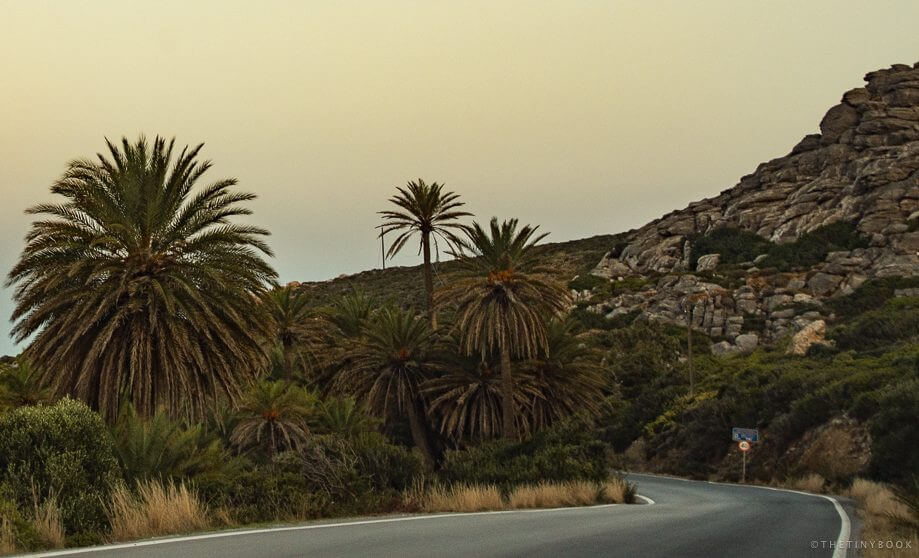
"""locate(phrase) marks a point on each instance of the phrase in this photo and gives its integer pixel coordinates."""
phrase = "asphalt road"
(688, 519)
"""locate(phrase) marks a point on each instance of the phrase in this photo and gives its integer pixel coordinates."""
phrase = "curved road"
(688, 519)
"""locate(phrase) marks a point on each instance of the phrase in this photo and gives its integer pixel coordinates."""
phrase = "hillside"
(802, 287)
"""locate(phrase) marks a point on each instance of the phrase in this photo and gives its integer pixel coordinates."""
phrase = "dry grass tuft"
(156, 509)
(862, 488)
(7, 537)
(461, 498)
(810, 483)
(884, 518)
(47, 522)
(554, 495)
(614, 491)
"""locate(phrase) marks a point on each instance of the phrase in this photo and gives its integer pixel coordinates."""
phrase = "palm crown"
(138, 286)
(430, 211)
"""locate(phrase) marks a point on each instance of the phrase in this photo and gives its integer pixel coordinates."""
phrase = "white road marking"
(154, 542)
(645, 498)
(845, 527)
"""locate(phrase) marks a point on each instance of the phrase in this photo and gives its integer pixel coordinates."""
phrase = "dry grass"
(554, 495)
(614, 491)
(156, 509)
(7, 537)
(460, 498)
(884, 516)
(810, 483)
(47, 522)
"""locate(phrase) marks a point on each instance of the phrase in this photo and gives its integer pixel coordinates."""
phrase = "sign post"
(744, 437)
(744, 448)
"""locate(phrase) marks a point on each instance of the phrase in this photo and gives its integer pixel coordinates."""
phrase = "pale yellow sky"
(584, 117)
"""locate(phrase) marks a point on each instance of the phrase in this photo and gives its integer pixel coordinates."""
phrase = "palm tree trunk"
(428, 277)
(507, 388)
(419, 433)
(288, 362)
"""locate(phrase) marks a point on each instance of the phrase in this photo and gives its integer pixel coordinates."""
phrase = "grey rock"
(708, 262)
(823, 283)
(747, 342)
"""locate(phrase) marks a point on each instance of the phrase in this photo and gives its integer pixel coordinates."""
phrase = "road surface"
(687, 519)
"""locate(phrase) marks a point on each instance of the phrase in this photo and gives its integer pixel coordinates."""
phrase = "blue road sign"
(748, 434)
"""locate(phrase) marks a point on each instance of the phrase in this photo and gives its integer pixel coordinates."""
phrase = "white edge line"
(645, 498)
(221, 534)
(845, 528)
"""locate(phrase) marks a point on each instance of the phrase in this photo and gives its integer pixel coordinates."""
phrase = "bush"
(587, 282)
(811, 248)
(894, 447)
(63, 451)
(569, 451)
(871, 295)
(897, 320)
(734, 245)
(362, 474)
(275, 491)
(738, 245)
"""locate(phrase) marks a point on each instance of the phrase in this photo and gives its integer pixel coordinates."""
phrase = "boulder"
(813, 333)
(708, 262)
(822, 284)
(747, 342)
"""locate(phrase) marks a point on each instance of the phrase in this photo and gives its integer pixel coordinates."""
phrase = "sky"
(583, 117)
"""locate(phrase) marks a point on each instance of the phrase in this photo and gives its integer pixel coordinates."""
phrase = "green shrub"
(811, 248)
(734, 245)
(274, 491)
(738, 245)
(361, 474)
(587, 282)
(894, 442)
(871, 295)
(569, 451)
(897, 320)
(63, 451)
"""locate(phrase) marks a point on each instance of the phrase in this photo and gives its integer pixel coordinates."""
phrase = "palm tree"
(139, 286)
(388, 367)
(273, 415)
(296, 325)
(21, 385)
(342, 416)
(352, 312)
(503, 299)
(430, 211)
(466, 399)
(567, 377)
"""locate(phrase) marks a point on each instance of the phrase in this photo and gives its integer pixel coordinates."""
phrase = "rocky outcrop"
(863, 167)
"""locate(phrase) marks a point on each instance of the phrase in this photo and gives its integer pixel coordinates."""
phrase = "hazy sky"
(584, 117)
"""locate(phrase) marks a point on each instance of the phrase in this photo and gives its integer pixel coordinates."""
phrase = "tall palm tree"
(430, 211)
(296, 326)
(139, 286)
(503, 299)
(275, 416)
(388, 367)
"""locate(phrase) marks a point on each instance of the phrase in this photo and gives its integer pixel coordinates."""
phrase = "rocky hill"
(862, 169)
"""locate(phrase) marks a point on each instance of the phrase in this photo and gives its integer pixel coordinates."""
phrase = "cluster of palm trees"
(141, 288)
